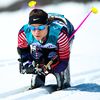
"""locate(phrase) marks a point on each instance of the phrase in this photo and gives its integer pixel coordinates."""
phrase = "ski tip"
(94, 10)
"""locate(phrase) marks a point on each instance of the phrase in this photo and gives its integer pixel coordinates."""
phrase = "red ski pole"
(94, 10)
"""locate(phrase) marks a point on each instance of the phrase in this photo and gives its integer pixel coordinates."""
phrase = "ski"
(53, 88)
(50, 88)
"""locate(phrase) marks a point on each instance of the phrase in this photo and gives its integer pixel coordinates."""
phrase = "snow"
(4, 3)
(84, 62)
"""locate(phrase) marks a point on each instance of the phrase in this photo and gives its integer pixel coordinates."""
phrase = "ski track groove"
(26, 94)
(79, 78)
(87, 72)
(13, 92)
(5, 63)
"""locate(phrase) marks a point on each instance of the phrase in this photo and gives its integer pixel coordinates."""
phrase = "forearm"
(61, 66)
(24, 54)
(63, 46)
(63, 52)
(23, 48)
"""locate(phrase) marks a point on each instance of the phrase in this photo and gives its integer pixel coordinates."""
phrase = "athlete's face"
(39, 31)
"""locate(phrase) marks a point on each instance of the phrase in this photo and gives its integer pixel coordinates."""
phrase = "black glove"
(21, 68)
(26, 67)
(29, 68)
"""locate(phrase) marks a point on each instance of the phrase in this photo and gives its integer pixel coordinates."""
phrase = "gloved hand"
(39, 71)
(27, 68)
(21, 68)
(30, 68)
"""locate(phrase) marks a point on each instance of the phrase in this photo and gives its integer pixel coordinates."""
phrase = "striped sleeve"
(22, 42)
(63, 46)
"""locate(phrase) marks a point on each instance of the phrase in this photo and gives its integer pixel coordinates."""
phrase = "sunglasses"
(41, 27)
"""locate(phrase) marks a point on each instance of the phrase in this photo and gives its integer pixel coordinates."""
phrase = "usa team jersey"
(62, 44)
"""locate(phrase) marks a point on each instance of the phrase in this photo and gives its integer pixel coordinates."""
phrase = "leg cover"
(63, 79)
(60, 80)
(67, 77)
(38, 81)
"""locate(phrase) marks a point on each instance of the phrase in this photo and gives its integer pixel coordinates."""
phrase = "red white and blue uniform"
(56, 41)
